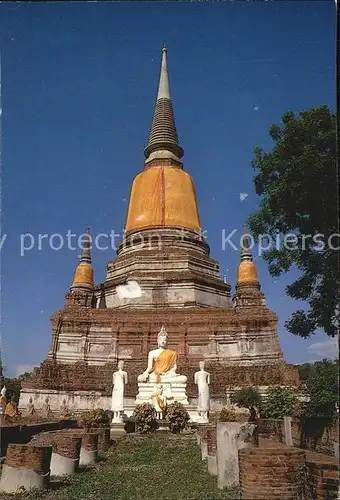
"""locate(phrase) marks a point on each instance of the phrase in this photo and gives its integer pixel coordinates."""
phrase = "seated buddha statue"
(162, 363)
(30, 408)
(11, 409)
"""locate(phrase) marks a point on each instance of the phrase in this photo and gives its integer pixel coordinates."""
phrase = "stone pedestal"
(174, 391)
(231, 437)
(27, 467)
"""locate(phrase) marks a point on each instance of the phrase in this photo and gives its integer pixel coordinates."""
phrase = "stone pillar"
(103, 439)
(65, 456)
(27, 466)
(89, 448)
(272, 472)
(202, 431)
(231, 436)
(212, 450)
(287, 423)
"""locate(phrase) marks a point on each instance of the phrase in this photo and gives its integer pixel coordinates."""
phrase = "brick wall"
(23, 434)
(80, 376)
(211, 440)
(205, 431)
(272, 473)
(29, 456)
(67, 446)
(322, 477)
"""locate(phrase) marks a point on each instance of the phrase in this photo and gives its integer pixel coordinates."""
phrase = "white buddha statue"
(202, 380)
(162, 364)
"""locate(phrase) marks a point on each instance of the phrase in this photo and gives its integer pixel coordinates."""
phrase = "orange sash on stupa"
(165, 361)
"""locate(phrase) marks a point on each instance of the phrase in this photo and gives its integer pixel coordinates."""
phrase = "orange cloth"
(11, 410)
(159, 400)
(2, 401)
(165, 361)
(163, 196)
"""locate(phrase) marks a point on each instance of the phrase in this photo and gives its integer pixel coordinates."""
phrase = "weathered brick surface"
(203, 429)
(271, 473)
(191, 330)
(68, 446)
(80, 376)
(90, 441)
(65, 443)
(212, 440)
(322, 477)
(29, 456)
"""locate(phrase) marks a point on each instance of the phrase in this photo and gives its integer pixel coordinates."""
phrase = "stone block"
(231, 436)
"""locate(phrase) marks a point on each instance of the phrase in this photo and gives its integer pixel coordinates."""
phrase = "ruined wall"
(270, 473)
(99, 336)
(322, 477)
(83, 377)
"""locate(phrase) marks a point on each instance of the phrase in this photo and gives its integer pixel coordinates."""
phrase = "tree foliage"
(25, 376)
(95, 419)
(298, 189)
(322, 383)
(13, 386)
(145, 417)
(177, 417)
(248, 397)
(230, 414)
(280, 402)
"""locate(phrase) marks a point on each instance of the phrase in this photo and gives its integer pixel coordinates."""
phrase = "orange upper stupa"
(163, 194)
(247, 272)
(83, 276)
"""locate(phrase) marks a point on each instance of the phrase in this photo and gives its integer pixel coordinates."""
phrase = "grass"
(140, 469)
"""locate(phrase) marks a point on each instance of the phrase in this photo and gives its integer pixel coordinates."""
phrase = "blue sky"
(79, 84)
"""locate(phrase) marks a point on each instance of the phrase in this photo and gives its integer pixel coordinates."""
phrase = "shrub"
(323, 390)
(94, 419)
(177, 417)
(280, 402)
(233, 415)
(145, 417)
(247, 397)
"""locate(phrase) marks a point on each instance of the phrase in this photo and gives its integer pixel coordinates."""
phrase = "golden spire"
(163, 194)
(247, 272)
(83, 276)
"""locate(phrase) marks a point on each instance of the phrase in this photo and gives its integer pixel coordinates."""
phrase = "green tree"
(25, 376)
(280, 402)
(248, 397)
(13, 386)
(298, 189)
(322, 384)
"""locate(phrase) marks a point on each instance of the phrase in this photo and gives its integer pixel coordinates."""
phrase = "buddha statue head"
(201, 365)
(162, 337)
(120, 365)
